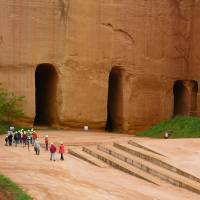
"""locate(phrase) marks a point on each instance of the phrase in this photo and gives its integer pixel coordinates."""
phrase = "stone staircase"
(78, 152)
(139, 161)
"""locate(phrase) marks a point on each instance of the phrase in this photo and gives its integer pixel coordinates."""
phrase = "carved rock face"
(152, 43)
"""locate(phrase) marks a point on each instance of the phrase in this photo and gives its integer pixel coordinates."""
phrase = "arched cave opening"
(180, 98)
(194, 97)
(114, 103)
(45, 94)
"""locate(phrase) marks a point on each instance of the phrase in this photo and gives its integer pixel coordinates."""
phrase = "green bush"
(11, 108)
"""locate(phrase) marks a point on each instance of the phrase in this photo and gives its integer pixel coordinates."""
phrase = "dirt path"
(74, 179)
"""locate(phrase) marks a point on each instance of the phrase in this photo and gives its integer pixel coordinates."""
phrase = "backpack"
(16, 136)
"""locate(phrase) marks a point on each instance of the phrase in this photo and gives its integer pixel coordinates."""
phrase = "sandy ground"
(183, 153)
(74, 179)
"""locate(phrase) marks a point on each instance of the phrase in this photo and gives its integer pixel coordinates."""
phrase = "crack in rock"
(125, 33)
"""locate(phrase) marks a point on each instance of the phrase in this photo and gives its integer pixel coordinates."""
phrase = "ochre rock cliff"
(120, 64)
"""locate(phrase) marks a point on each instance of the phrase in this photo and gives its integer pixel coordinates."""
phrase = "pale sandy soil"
(74, 179)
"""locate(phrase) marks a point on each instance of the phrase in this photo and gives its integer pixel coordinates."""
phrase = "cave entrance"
(185, 97)
(194, 85)
(45, 95)
(115, 98)
(181, 100)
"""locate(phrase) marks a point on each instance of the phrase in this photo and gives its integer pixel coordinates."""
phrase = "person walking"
(28, 142)
(37, 146)
(53, 152)
(24, 139)
(6, 140)
(10, 138)
(61, 151)
(46, 140)
(16, 138)
(19, 137)
(34, 137)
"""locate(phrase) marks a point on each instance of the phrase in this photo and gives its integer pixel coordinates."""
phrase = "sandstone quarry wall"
(148, 41)
(194, 67)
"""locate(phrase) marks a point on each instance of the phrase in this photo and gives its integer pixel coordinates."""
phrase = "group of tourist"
(30, 137)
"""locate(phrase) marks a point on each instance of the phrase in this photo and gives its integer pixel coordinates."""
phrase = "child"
(61, 151)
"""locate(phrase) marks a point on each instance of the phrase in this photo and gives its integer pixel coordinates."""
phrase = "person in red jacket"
(61, 151)
(34, 137)
(52, 151)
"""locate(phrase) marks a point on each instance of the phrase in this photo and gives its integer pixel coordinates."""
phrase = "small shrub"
(11, 108)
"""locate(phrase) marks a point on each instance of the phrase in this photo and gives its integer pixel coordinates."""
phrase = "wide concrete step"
(118, 164)
(85, 156)
(131, 142)
(155, 170)
(153, 158)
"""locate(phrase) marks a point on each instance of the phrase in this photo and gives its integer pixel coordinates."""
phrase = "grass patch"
(11, 191)
(180, 127)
